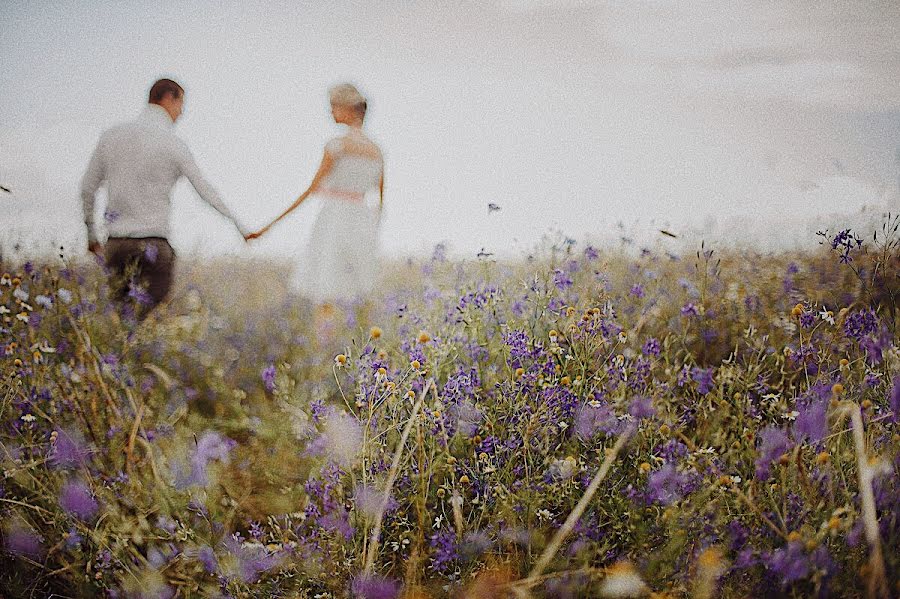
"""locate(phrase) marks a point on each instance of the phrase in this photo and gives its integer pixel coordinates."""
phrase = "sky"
(577, 118)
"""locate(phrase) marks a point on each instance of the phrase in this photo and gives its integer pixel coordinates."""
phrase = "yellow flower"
(415, 364)
(837, 388)
(645, 467)
(424, 337)
(375, 333)
(834, 523)
(340, 360)
(565, 381)
(797, 310)
(464, 480)
(844, 362)
(794, 536)
(520, 372)
(823, 457)
(866, 404)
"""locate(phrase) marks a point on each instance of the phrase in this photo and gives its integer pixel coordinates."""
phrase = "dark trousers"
(142, 269)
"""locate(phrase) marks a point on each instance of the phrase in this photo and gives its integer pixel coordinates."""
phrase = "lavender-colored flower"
(895, 399)
(210, 447)
(651, 347)
(23, 542)
(666, 485)
(69, 450)
(860, 323)
(589, 420)
(689, 310)
(76, 499)
(43, 301)
(561, 279)
(444, 550)
(789, 563)
(775, 443)
(812, 422)
(139, 294)
(637, 291)
(641, 407)
(207, 557)
(64, 295)
(268, 377)
(704, 379)
(369, 586)
(590, 253)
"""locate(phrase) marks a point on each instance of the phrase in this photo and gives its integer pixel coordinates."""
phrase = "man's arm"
(90, 183)
(204, 188)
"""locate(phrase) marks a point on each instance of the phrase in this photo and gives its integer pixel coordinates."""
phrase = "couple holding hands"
(141, 160)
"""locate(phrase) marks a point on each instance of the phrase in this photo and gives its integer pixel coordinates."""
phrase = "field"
(585, 422)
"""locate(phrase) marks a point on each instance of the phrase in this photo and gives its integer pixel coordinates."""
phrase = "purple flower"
(895, 399)
(689, 310)
(860, 323)
(590, 420)
(561, 279)
(23, 542)
(704, 379)
(374, 587)
(590, 253)
(268, 377)
(637, 291)
(641, 407)
(444, 551)
(207, 557)
(666, 485)
(812, 422)
(651, 347)
(789, 563)
(211, 446)
(139, 294)
(775, 443)
(69, 450)
(75, 498)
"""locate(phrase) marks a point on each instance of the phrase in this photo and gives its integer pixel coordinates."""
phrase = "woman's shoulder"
(355, 144)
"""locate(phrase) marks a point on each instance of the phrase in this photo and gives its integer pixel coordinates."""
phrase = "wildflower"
(423, 337)
(268, 377)
(690, 310)
(20, 294)
(837, 389)
(6, 280)
(651, 347)
(822, 458)
(43, 301)
(64, 295)
(24, 542)
(369, 586)
(645, 467)
(641, 407)
(375, 333)
(69, 450)
(75, 498)
(28, 418)
(464, 479)
(895, 399)
(811, 423)
(666, 485)
(340, 360)
(774, 444)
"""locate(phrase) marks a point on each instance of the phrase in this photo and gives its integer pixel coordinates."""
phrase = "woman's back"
(357, 164)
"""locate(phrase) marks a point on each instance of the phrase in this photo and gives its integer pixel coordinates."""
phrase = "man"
(141, 161)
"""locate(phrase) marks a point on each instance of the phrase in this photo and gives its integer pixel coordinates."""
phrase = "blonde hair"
(345, 94)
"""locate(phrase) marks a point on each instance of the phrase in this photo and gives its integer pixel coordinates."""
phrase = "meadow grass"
(582, 423)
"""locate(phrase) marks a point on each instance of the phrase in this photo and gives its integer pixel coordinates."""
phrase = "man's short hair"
(163, 88)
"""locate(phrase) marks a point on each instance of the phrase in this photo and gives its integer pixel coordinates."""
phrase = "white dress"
(341, 261)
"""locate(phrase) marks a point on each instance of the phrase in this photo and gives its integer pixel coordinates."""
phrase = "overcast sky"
(570, 115)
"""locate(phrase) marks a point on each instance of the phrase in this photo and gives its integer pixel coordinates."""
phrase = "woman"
(342, 259)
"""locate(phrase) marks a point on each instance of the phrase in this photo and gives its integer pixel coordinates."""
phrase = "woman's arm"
(324, 169)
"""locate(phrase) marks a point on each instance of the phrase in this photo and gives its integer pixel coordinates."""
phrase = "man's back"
(141, 160)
